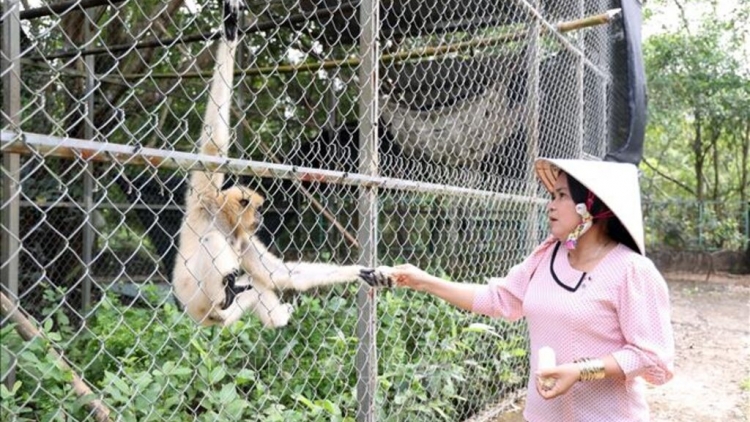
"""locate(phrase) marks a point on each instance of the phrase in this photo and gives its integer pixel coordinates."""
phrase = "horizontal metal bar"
(45, 145)
(123, 206)
(104, 205)
(64, 7)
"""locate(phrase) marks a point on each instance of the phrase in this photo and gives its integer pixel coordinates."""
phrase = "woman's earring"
(580, 229)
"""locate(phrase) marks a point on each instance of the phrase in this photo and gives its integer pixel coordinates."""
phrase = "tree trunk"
(698, 156)
(715, 129)
(743, 185)
(745, 151)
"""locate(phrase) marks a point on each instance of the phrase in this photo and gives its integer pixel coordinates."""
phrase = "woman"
(587, 292)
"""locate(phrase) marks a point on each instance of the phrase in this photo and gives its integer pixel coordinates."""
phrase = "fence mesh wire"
(468, 94)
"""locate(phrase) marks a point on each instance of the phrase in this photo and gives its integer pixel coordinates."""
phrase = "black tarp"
(628, 124)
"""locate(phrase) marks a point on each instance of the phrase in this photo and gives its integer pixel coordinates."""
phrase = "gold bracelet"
(590, 369)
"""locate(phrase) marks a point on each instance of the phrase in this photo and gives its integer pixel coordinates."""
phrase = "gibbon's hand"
(377, 277)
(563, 377)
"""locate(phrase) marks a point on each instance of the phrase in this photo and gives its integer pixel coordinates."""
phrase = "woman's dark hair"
(614, 227)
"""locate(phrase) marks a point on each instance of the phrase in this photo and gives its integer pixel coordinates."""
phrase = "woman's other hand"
(556, 381)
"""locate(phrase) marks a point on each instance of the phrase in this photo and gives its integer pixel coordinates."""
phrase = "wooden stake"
(28, 331)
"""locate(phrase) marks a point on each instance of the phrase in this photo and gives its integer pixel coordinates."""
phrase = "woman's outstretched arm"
(460, 295)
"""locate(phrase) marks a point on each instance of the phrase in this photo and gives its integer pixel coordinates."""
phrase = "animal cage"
(380, 132)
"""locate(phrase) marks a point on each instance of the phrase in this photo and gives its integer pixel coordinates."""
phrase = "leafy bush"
(693, 225)
(152, 363)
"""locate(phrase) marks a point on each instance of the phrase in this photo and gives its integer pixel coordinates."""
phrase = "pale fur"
(217, 236)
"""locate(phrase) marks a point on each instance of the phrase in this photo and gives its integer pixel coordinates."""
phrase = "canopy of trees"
(699, 115)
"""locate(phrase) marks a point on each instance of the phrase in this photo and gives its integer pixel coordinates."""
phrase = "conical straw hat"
(616, 184)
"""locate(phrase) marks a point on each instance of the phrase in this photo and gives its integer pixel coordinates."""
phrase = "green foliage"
(699, 108)
(152, 363)
(698, 136)
(431, 368)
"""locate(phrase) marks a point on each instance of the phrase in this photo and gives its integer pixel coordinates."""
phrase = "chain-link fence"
(380, 132)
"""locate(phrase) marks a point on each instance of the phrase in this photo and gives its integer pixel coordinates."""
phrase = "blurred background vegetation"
(696, 168)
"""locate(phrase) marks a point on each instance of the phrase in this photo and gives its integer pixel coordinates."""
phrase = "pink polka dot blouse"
(621, 308)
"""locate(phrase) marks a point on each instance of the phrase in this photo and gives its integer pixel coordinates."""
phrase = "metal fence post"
(532, 123)
(579, 80)
(366, 360)
(10, 69)
(88, 178)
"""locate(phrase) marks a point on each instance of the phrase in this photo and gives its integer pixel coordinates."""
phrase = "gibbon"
(222, 270)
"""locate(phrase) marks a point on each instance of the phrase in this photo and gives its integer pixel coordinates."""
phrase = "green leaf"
(197, 346)
(216, 375)
(182, 371)
(436, 407)
(304, 400)
(121, 385)
(329, 407)
(235, 408)
(244, 376)
(227, 393)
(6, 394)
(143, 381)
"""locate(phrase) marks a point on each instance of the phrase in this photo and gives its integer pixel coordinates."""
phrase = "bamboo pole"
(28, 331)
(442, 50)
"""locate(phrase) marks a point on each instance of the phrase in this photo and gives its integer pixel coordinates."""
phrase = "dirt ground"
(712, 338)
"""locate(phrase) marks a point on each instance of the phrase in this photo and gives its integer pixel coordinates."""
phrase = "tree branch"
(683, 16)
(671, 179)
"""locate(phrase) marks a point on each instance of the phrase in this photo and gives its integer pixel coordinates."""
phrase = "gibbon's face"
(242, 208)
(561, 210)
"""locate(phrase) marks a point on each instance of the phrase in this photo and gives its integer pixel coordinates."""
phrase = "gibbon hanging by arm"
(222, 270)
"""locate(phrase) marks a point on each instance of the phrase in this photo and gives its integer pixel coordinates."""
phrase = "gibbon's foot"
(375, 277)
(280, 315)
(231, 289)
(232, 10)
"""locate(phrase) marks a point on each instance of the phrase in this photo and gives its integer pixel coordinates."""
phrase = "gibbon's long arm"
(214, 138)
(275, 273)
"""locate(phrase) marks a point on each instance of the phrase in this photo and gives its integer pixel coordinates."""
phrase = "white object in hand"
(546, 360)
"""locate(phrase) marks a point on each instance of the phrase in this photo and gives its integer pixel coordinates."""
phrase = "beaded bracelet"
(590, 369)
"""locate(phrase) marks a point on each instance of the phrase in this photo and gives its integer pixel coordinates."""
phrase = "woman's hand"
(460, 295)
(406, 275)
(409, 276)
(559, 379)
